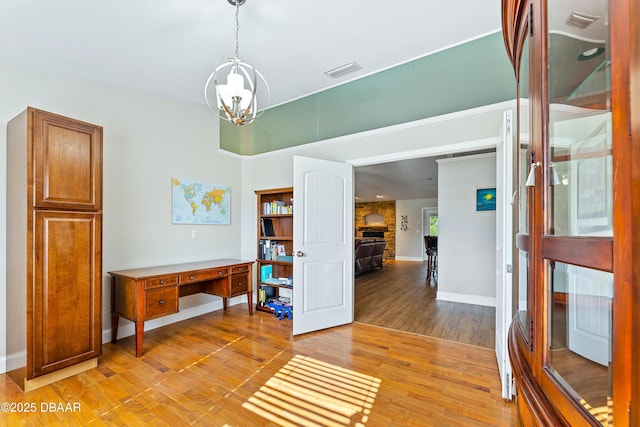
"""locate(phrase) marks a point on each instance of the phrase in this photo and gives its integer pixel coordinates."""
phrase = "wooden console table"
(148, 293)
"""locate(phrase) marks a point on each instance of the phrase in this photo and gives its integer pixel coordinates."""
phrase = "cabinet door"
(578, 242)
(67, 290)
(67, 162)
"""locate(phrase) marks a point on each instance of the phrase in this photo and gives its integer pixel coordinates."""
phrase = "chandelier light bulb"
(235, 84)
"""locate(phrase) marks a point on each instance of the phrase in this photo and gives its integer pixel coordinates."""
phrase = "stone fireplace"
(377, 219)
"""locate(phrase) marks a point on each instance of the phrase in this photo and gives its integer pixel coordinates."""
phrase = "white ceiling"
(401, 180)
(169, 48)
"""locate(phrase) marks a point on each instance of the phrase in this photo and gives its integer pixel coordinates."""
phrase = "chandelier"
(237, 98)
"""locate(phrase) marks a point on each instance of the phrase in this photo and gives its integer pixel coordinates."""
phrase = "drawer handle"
(162, 302)
(162, 282)
(192, 277)
(219, 273)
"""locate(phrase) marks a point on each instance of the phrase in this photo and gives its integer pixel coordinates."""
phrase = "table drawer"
(161, 281)
(161, 302)
(239, 269)
(239, 284)
(200, 276)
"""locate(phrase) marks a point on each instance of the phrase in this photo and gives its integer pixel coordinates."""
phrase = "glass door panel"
(580, 192)
(579, 197)
(523, 312)
(523, 140)
(580, 335)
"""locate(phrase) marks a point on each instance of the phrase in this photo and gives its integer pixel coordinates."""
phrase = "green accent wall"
(466, 76)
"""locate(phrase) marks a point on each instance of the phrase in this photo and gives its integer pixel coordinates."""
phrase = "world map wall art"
(195, 202)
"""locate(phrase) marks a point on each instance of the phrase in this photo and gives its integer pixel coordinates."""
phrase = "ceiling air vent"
(340, 71)
(581, 20)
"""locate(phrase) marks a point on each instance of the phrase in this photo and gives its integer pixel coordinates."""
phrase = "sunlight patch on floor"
(310, 392)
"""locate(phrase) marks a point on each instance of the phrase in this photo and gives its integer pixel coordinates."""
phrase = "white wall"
(466, 238)
(147, 140)
(409, 244)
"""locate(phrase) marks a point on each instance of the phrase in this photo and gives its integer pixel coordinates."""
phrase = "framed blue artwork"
(485, 199)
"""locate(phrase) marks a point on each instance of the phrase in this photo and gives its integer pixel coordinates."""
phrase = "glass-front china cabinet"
(574, 342)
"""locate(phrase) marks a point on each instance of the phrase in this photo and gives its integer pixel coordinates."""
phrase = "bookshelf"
(274, 246)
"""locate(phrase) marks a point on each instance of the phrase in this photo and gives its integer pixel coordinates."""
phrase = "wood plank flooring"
(398, 297)
(227, 368)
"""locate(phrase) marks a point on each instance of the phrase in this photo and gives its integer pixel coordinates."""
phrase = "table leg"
(139, 337)
(250, 301)
(114, 327)
(224, 303)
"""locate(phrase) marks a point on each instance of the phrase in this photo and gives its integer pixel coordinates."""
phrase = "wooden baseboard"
(52, 377)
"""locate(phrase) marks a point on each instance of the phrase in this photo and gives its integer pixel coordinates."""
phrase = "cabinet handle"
(162, 302)
(162, 282)
(192, 277)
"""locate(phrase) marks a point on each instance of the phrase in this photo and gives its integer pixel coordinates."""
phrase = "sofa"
(368, 254)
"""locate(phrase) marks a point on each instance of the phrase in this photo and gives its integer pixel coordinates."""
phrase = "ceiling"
(169, 48)
(409, 179)
(401, 180)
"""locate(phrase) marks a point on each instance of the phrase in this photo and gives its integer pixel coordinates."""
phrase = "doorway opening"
(418, 309)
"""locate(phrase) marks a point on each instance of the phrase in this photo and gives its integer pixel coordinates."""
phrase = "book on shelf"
(272, 281)
(282, 281)
(274, 250)
(280, 250)
(265, 293)
(277, 207)
(266, 272)
(266, 225)
(265, 250)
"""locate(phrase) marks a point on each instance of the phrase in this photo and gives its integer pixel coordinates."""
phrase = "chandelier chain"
(237, 27)
(236, 100)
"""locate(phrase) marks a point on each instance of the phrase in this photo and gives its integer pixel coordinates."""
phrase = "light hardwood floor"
(227, 368)
(398, 297)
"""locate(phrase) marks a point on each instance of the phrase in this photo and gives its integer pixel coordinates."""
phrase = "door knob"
(299, 253)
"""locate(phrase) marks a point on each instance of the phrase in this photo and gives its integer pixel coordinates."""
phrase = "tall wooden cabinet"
(574, 343)
(275, 245)
(54, 259)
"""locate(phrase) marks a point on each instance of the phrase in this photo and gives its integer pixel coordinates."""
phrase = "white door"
(589, 313)
(504, 223)
(322, 244)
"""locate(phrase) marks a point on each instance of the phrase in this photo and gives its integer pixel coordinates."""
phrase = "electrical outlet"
(194, 234)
